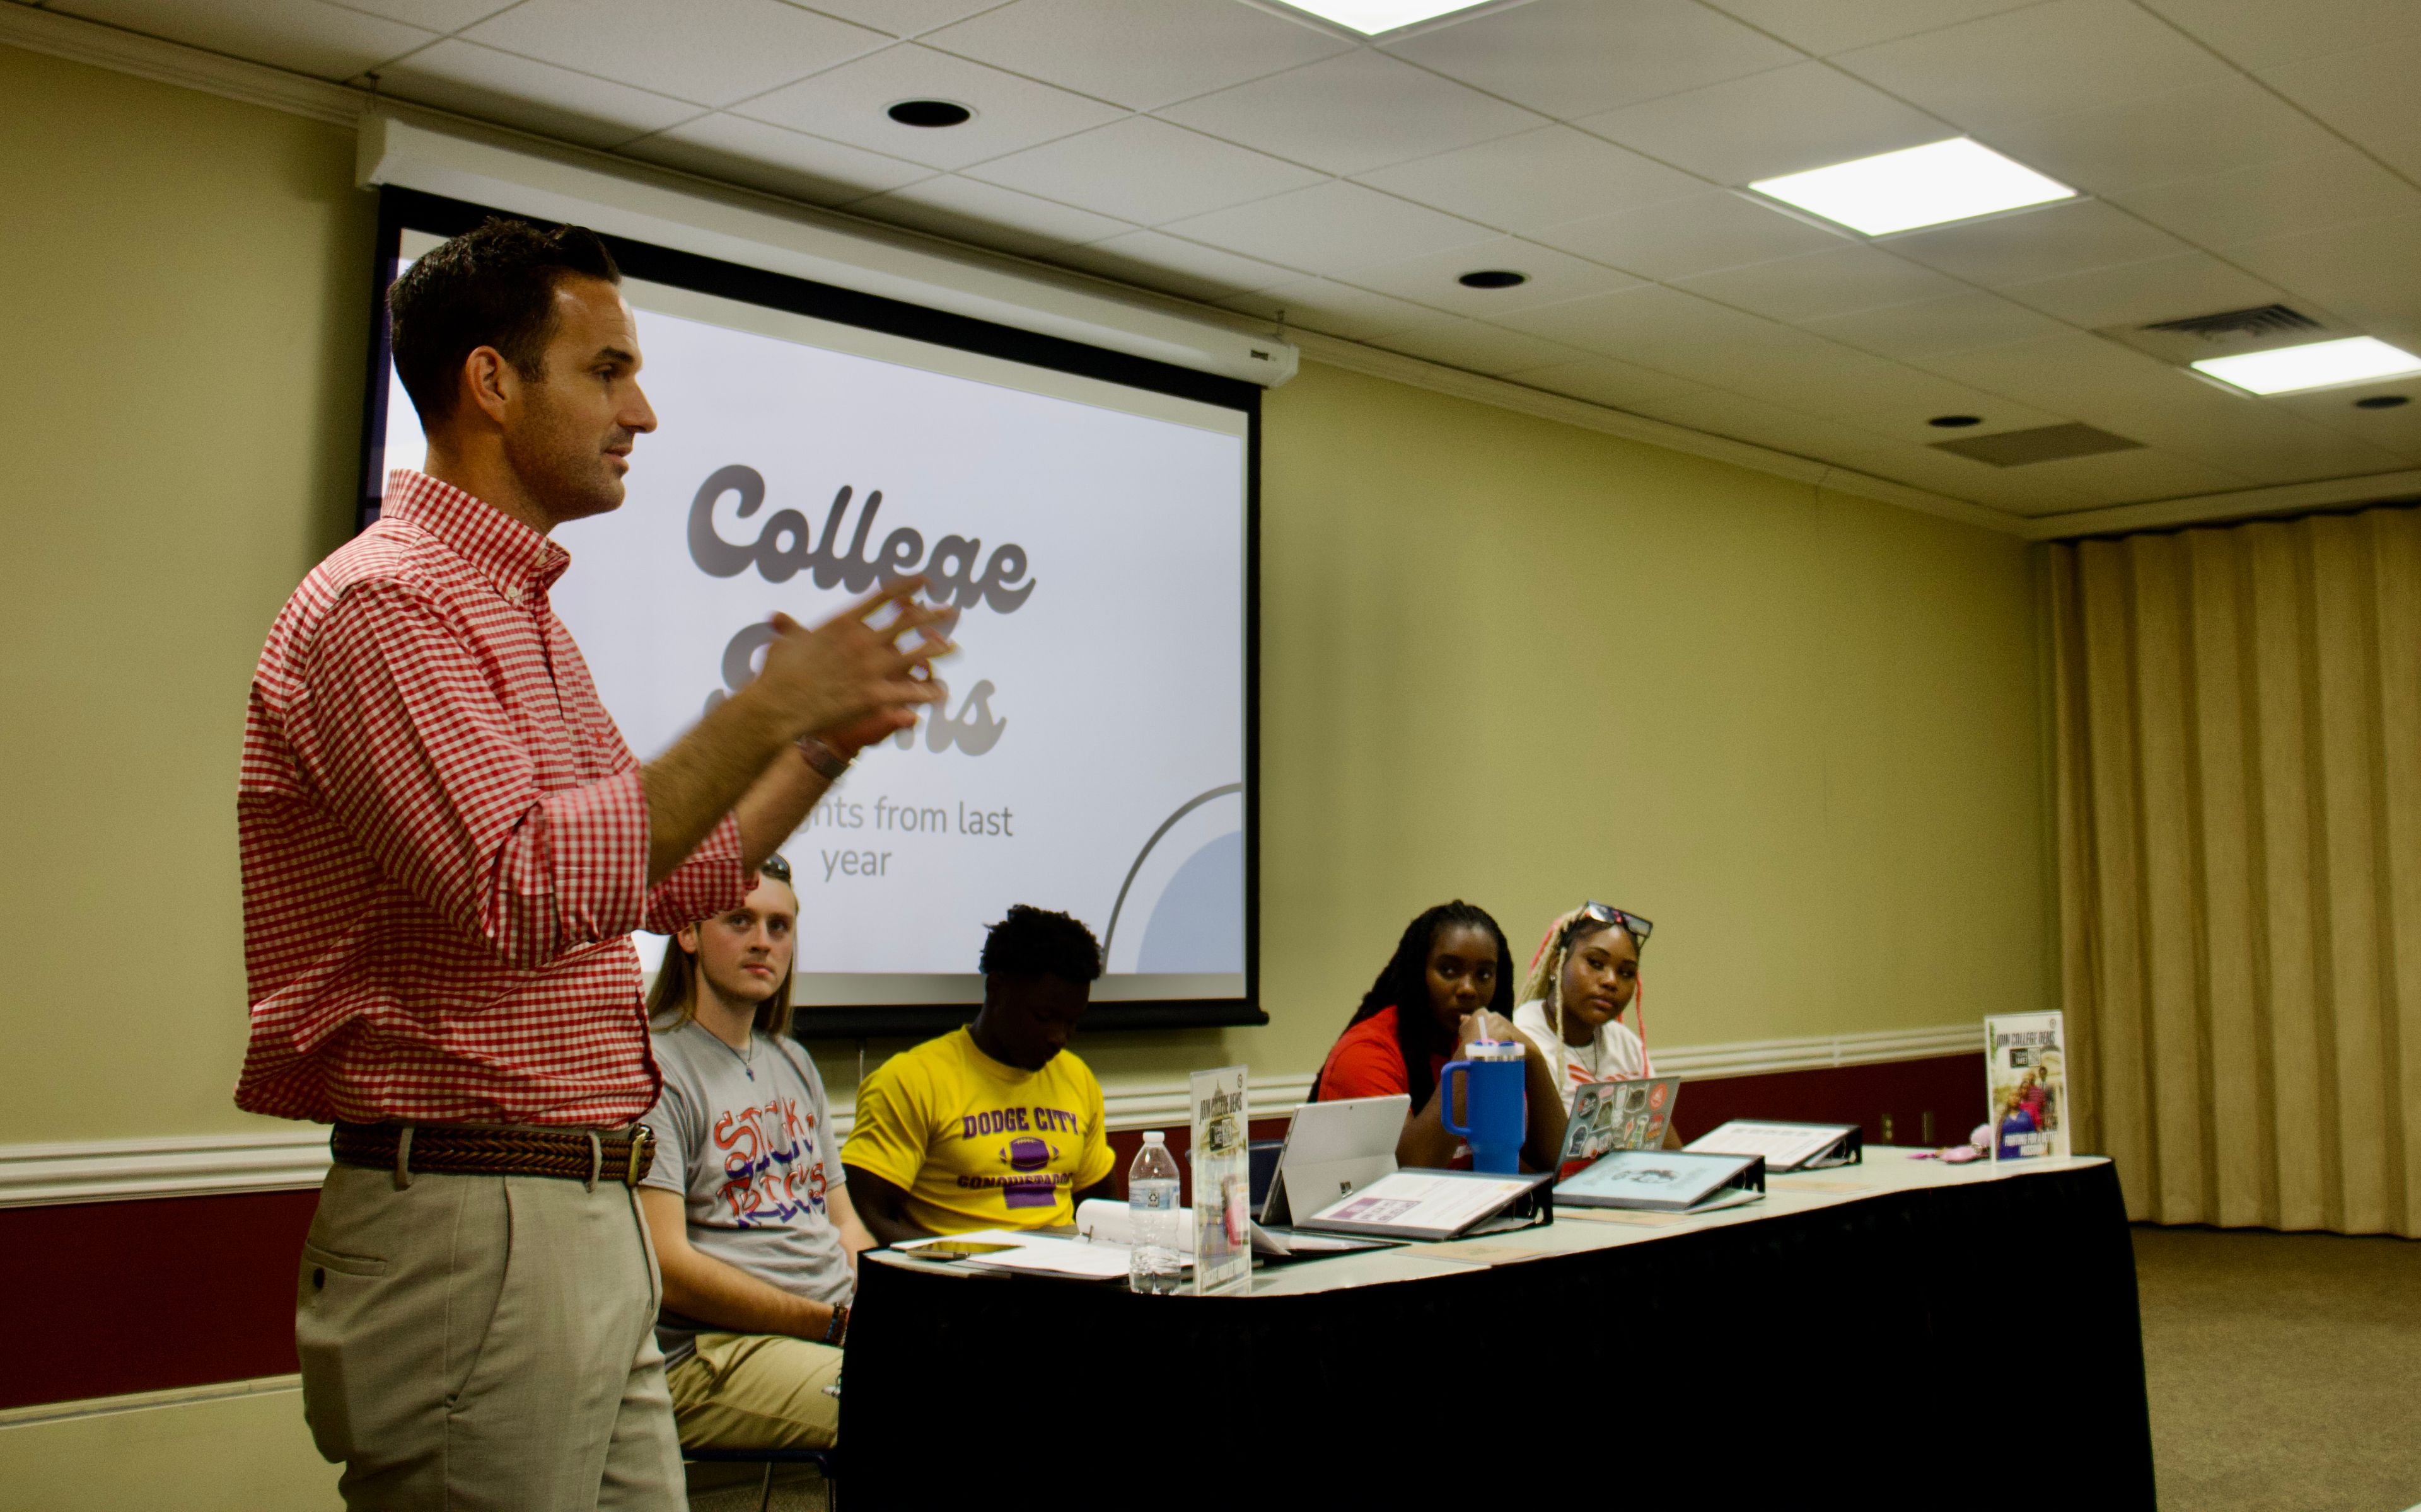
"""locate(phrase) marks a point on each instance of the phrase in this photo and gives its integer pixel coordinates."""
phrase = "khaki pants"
(758, 1390)
(479, 1342)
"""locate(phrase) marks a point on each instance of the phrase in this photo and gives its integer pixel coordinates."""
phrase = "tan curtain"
(2238, 729)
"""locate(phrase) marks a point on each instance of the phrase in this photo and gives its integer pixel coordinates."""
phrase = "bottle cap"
(1153, 1136)
(1494, 1049)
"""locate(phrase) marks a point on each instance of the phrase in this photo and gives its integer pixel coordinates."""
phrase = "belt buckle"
(643, 1141)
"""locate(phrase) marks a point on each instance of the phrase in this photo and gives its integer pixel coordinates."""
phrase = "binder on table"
(1787, 1146)
(1437, 1205)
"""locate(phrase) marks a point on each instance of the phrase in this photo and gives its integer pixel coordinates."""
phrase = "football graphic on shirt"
(1026, 1153)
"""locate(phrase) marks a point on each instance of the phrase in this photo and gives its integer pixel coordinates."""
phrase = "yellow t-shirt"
(978, 1144)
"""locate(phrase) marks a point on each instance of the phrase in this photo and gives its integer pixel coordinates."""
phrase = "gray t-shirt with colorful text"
(748, 1144)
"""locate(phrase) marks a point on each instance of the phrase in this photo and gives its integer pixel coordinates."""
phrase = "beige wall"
(1503, 658)
(182, 281)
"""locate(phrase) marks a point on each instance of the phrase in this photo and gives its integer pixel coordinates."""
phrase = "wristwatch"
(829, 763)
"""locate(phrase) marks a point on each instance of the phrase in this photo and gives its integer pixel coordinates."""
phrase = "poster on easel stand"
(1223, 1230)
(2026, 1086)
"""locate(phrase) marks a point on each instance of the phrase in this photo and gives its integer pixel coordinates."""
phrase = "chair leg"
(765, 1497)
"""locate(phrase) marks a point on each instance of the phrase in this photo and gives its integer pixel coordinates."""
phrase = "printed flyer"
(1223, 1182)
(2026, 1071)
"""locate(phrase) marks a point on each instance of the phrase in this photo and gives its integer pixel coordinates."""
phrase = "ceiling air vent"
(2193, 338)
(2044, 444)
(2259, 322)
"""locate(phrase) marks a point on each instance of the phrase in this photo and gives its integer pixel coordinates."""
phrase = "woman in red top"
(1454, 970)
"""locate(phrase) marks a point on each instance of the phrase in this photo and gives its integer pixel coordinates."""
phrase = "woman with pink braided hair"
(1583, 977)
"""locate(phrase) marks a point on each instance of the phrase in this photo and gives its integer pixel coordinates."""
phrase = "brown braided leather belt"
(621, 1155)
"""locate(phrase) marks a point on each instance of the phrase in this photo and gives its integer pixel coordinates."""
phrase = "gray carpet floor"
(2285, 1369)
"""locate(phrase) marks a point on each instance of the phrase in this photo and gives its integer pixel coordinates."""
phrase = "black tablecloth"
(1972, 1346)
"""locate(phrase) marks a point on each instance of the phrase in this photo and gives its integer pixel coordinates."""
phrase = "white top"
(1615, 1055)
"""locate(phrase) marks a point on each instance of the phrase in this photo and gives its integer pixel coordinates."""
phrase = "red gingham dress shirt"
(445, 841)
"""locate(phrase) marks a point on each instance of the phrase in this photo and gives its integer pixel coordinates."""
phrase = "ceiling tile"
(1146, 170)
(2137, 477)
(434, 15)
(1808, 116)
(1331, 228)
(1954, 322)
(2396, 430)
(2277, 446)
(1994, 415)
(1186, 268)
(988, 215)
(1138, 54)
(1816, 284)
(2140, 293)
(2064, 56)
(713, 52)
(1431, 279)
(903, 18)
(2073, 373)
(1475, 346)
(2343, 267)
(1353, 112)
(1823, 26)
(2180, 134)
(2012, 489)
(1536, 179)
(2259, 34)
(1603, 380)
(1337, 309)
(538, 97)
(1761, 424)
(1660, 328)
(2036, 244)
(306, 36)
(1574, 57)
(2278, 199)
(776, 161)
(847, 104)
(2367, 94)
(1683, 236)
(1839, 383)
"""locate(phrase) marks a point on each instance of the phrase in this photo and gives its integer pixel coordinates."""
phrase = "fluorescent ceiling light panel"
(2314, 365)
(1371, 17)
(1953, 180)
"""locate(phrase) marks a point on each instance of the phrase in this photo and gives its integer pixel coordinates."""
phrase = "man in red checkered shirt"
(447, 846)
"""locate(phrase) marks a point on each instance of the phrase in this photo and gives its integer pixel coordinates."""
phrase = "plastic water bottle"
(1152, 1212)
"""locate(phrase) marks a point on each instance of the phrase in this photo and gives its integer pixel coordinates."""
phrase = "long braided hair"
(1404, 983)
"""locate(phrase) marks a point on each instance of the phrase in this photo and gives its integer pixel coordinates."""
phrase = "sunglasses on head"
(775, 867)
(1595, 915)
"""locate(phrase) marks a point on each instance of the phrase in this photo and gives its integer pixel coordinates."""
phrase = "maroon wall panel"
(106, 1298)
(1949, 1087)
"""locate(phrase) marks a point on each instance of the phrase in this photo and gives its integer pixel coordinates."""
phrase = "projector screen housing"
(1098, 514)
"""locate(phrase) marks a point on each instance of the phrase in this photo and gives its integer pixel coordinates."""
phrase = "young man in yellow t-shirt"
(996, 1125)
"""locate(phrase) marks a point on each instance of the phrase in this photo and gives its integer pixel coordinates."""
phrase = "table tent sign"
(2025, 1069)
(1223, 1182)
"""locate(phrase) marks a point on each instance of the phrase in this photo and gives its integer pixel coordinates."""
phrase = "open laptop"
(1332, 1150)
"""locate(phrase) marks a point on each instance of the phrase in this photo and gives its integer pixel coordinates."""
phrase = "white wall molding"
(284, 1160)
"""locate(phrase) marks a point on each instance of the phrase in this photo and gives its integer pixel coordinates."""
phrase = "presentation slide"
(1091, 754)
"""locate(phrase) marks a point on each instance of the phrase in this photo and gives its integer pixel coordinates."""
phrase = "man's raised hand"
(852, 676)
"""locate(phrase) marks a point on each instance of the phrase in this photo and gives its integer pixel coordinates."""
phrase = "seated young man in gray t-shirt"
(746, 1203)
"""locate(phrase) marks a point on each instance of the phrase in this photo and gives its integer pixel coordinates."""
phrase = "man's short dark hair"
(1034, 941)
(493, 286)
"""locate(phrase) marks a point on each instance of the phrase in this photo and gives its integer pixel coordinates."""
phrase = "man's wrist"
(828, 762)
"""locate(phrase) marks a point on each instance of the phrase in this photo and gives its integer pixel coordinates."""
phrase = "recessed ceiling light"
(1953, 180)
(1492, 278)
(1371, 17)
(2313, 364)
(2382, 402)
(929, 113)
(1956, 422)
